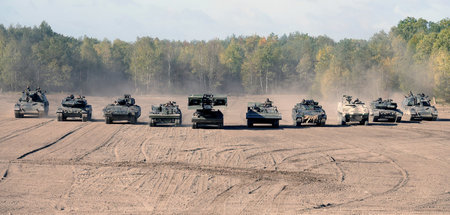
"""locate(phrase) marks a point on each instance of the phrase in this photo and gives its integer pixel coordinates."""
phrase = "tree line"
(413, 55)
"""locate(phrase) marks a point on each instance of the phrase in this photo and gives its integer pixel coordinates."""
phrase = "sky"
(210, 19)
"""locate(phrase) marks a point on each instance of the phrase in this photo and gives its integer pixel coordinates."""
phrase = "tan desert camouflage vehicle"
(352, 111)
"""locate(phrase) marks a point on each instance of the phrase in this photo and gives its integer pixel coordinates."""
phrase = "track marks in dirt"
(53, 143)
(19, 132)
(105, 143)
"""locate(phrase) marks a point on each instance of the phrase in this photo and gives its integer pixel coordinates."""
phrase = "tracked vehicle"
(262, 113)
(165, 114)
(418, 107)
(74, 108)
(207, 110)
(384, 110)
(352, 111)
(123, 108)
(32, 102)
(308, 111)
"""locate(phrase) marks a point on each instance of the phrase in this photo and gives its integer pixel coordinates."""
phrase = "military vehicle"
(74, 107)
(262, 113)
(165, 114)
(123, 108)
(352, 111)
(205, 113)
(32, 102)
(308, 111)
(418, 107)
(384, 110)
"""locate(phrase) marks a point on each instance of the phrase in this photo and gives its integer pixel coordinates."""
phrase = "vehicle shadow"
(382, 124)
(410, 122)
(258, 127)
(443, 120)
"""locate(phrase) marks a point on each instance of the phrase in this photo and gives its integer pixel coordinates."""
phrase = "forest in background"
(414, 55)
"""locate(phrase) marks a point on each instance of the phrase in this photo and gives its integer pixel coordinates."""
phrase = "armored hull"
(207, 110)
(33, 103)
(418, 107)
(352, 111)
(262, 113)
(74, 108)
(384, 110)
(165, 114)
(123, 109)
(308, 111)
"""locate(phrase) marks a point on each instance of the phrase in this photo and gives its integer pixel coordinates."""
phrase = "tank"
(418, 107)
(207, 110)
(74, 107)
(384, 110)
(352, 111)
(165, 114)
(123, 108)
(308, 111)
(262, 113)
(32, 102)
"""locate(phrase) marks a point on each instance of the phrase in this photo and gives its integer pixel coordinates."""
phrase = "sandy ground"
(50, 167)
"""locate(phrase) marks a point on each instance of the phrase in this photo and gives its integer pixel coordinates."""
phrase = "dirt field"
(49, 167)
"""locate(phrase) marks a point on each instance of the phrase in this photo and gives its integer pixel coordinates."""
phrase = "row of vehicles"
(207, 110)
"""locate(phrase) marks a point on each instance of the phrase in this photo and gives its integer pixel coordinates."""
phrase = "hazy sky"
(208, 19)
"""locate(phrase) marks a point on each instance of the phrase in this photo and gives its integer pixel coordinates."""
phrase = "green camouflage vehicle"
(74, 107)
(32, 102)
(165, 114)
(384, 110)
(352, 111)
(262, 113)
(205, 113)
(124, 108)
(418, 107)
(308, 111)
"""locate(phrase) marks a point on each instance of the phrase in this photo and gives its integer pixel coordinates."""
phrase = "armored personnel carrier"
(74, 107)
(205, 113)
(352, 111)
(308, 111)
(418, 107)
(262, 113)
(32, 102)
(165, 114)
(384, 110)
(123, 108)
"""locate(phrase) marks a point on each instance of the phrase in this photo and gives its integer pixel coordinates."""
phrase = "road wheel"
(177, 122)
(399, 119)
(133, 119)
(59, 117)
(84, 118)
(194, 125)
(249, 123)
(108, 120)
(152, 123)
(276, 124)
(220, 125)
(341, 120)
(17, 114)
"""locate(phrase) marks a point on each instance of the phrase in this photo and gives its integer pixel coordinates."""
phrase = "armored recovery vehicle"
(384, 110)
(308, 111)
(262, 113)
(418, 107)
(123, 108)
(74, 107)
(165, 114)
(205, 113)
(32, 102)
(352, 111)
